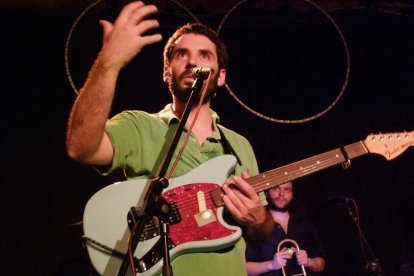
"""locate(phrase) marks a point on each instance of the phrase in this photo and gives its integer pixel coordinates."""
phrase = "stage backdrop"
(288, 63)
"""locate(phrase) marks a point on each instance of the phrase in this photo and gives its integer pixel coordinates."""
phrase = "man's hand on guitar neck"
(246, 208)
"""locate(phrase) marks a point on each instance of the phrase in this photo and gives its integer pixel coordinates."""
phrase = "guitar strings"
(281, 175)
(187, 204)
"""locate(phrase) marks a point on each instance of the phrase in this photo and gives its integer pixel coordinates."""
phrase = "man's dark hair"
(200, 29)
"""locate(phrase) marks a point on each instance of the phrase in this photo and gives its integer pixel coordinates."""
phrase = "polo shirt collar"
(168, 116)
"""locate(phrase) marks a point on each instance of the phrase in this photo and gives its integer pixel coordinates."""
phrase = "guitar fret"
(356, 149)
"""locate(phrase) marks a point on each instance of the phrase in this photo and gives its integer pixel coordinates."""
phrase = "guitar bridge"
(152, 227)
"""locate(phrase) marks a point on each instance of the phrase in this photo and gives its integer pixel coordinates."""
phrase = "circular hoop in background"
(68, 38)
(75, 24)
(312, 117)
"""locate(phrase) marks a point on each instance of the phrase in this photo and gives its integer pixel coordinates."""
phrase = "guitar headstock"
(389, 145)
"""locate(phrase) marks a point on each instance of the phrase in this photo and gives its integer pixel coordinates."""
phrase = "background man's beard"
(184, 94)
(273, 207)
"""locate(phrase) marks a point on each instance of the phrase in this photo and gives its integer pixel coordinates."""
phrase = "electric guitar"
(196, 222)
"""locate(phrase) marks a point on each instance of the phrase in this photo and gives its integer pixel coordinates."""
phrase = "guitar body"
(201, 227)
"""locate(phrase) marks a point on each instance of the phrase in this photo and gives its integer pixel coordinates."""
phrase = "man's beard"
(272, 206)
(183, 94)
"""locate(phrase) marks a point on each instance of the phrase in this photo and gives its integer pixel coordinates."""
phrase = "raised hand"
(125, 38)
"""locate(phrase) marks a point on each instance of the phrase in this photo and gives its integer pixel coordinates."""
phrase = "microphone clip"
(202, 72)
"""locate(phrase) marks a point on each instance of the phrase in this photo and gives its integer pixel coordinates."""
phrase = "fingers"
(142, 12)
(240, 194)
(235, 200)
(126, 11)
(302, 257)
(236, 203)
(245, 210)
(245, 175)
(285, 255)
(231, 200)
(245, 187)
(145, 26)
(242, 183)
(281, 259)
(134, 14)
(124, 39)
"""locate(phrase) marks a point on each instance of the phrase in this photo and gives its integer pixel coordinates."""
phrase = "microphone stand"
(373, 267)
(153, 203)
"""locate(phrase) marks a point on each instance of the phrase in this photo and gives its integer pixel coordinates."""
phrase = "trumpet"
(291, 251)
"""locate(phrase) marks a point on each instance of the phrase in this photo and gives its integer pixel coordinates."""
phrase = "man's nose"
(191, 62)
(190, 65)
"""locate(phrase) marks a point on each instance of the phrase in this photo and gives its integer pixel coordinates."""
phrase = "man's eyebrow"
(179, 49)
(206, 51)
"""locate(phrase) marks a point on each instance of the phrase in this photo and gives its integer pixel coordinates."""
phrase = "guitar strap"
(228, 149)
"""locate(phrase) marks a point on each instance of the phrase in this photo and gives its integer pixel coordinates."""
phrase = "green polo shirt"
(140, 141)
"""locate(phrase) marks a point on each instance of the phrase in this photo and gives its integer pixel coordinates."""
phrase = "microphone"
(202, 72)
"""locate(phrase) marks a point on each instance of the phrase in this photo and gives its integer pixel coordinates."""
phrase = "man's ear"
(222, 77)
(166, 74)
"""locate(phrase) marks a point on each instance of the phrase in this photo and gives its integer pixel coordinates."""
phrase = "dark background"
(287, 62)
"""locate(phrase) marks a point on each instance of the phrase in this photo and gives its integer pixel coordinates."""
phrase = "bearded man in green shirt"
(134, 140)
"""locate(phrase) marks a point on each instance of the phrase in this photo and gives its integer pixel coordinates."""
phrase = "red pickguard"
(187, 230)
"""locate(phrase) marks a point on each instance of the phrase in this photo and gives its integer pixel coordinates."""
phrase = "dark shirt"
(300, 230)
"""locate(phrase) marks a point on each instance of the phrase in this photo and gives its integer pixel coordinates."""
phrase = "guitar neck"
(275, 177)
(305, 167)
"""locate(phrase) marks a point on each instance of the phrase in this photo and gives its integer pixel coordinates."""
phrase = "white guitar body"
(105, 217)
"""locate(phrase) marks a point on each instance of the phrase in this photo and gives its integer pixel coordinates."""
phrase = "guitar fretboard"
(272, 178)
(304, 167)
